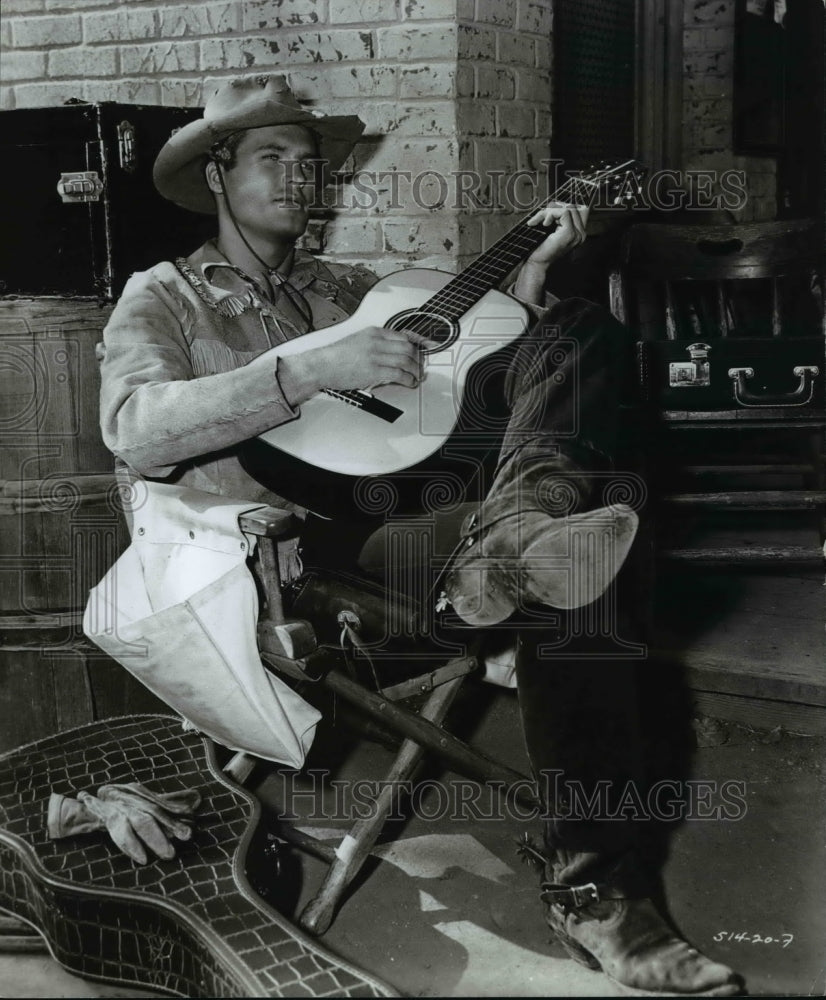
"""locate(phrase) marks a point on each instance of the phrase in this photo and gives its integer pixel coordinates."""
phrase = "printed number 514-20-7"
(784, 940)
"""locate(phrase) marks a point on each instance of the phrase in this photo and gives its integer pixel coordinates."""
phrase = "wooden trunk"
(61, 525)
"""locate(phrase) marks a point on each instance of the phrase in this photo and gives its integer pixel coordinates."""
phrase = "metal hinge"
(83, 185)
(127, 147)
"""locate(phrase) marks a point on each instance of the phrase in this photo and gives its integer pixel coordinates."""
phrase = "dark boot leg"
(579, 716)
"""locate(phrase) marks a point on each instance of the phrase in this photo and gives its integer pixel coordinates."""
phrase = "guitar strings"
(522, 237)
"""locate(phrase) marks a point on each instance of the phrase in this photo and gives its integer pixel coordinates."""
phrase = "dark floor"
(448, 909)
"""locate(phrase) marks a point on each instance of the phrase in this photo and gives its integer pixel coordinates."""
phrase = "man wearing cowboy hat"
(190, 373)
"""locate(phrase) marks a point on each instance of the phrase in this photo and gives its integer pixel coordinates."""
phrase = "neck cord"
(296, 299)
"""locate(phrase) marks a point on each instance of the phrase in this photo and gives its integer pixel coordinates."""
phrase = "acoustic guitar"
(392, 427)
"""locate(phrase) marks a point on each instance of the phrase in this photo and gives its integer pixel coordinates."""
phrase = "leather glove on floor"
(135, 817)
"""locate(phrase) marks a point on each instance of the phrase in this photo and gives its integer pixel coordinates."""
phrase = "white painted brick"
(125, 25)
(386, 263)
(718, 161)
(287, 49)
(284, 14)
(715, 12)
(496, 154)
(515, 119)
(182, 93)
(429, 10)
(495, 225)
(436, 41)
(699, 113)
(532, 152)
(544, 53)
(476, 42)
(82, 62)
(343, 81)
(7, 98)
(471, 233)
(514, 49)
(77, 5)
(199, 19)
(363, 11)
(426, 119)
(476, 117)
(534, 16)
(409, 156)
(427, 81)
(709, 63)
(354, 234)
(427, 235)
(694, 40)
(43, 32)
(160, 57)
(465, 84)
(140, 91)
(467, 153)
(22, 6)
(501, 12)
(533, 85)
(5, 34)
(22, 65)
(710, 135)
(495, 81)
(720, 37)
(706, 88)
(46, 95)
(370, 194)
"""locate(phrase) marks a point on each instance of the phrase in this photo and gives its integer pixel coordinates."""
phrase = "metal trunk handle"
(797, 397)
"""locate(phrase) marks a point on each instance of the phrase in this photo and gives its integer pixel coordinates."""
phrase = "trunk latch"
(84, 185)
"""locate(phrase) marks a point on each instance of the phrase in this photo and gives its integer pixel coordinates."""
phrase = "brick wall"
(708, 95)
(444, 85)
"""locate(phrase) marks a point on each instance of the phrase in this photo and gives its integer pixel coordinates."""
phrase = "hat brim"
(179, 168)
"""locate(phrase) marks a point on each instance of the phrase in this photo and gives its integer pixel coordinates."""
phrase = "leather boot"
(533, 543)
(631, 943)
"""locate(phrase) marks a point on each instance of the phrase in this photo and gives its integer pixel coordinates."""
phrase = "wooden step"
(766, 467)
(753, 555)
(752, 647)
(750, 499)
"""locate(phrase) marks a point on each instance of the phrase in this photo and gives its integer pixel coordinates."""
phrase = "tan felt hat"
(244, 102)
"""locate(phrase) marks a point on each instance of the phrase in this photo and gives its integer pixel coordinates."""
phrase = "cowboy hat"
(244, 102)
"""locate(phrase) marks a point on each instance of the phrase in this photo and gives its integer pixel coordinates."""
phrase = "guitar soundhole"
(432, 326)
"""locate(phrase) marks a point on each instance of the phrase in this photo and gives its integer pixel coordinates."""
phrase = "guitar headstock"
(610, 185)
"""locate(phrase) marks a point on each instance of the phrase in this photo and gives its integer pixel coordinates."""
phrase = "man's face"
(272, 184)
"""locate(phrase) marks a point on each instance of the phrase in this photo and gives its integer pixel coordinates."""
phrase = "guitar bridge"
(368, 402)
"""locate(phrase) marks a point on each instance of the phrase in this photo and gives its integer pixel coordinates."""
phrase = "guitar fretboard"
(487, 271)
(492, 266)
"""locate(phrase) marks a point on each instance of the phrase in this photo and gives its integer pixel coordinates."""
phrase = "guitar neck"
(487, 271)
(490, 269)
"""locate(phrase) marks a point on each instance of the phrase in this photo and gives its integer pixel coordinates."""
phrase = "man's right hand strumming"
(373, 356)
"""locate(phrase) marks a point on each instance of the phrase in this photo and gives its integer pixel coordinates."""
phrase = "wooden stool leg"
(356, 846)
(240, 767)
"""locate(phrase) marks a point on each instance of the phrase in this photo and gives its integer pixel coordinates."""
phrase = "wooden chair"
(731, 369)
(296, 648)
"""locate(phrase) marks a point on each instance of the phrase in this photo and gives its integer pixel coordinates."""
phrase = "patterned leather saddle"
(192, 926)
